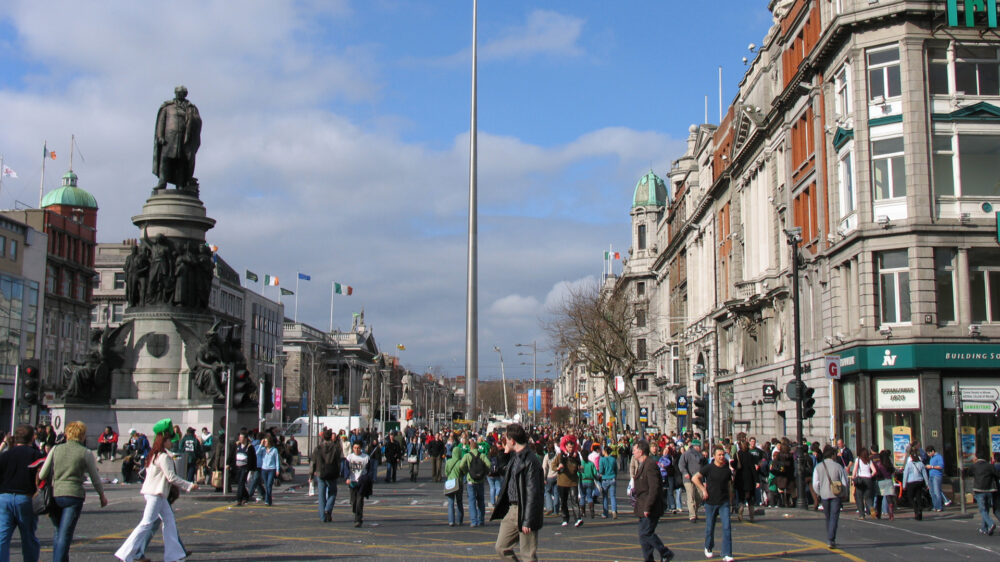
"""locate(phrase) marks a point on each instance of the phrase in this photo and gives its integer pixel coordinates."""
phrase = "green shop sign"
(970, 7)
(921, 356)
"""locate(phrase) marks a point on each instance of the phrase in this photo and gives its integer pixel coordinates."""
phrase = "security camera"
(752, 47)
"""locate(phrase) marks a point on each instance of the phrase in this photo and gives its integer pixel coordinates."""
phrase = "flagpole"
(41, 182)
(296, 317)
(332, 283)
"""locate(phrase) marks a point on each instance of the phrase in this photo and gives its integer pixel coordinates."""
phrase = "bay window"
(894, 287)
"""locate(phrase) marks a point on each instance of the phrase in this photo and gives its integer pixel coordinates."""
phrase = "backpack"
(329, 469)
(477, 468)
(496, 470)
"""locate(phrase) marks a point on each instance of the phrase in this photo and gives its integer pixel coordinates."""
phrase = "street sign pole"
(958, 446)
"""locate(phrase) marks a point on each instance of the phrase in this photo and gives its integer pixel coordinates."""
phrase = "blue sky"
(336, 138)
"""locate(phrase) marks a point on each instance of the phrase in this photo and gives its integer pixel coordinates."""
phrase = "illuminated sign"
(970, 7)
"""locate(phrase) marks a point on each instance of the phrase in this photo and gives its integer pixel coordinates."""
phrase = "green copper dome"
(69, 194)
(650, 191)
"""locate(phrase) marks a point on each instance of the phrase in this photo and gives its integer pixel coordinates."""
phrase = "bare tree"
(595, 327)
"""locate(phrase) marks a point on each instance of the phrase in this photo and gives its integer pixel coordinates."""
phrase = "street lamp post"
(534, 379)
(794, 238)
(503, 379)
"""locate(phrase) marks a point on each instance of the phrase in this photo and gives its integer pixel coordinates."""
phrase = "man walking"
(984, 484)
(435, 450)
(17, 485)
(519, 505)
(689, 465)
(713, 482)
(245, 457)
(192, 452)
(359, 480)
(935, 472)
(392, 454)
(326, 461)
(648, 503)
(829, 481)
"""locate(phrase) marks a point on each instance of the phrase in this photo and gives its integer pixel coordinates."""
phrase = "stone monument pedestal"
(405, 405)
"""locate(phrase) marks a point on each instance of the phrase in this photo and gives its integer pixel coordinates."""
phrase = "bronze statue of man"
(176, 140)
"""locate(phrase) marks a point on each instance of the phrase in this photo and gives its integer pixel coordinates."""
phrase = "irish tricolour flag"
(270, 280)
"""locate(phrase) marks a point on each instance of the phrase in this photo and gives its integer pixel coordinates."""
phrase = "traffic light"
(267, 399)
(700, 418)
(31, 383)
(455, 416)
(808, 402)
(243, 387)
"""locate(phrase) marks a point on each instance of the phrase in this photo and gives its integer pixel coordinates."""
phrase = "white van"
(300, 427)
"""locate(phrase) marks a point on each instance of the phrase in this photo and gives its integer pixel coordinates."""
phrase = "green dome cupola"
(651, 191)
(69, 194)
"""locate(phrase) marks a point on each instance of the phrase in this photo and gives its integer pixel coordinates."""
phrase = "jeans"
(551, 495)
(609, 497)
(494, 482)
(256, 483)
(863, 496)
(327, 492)
(192, 471)
(831, 510)
(390, 471)
(16, 511)
(648, 541)
(414, 469)
(357, 504)
(242, 479)
(436, 464)
(669, 490)
(677, 498)
(587, 493)
(914, 490)
(141, 553)
(937, 497)
(64, 517)
(985, 502)
(477, 502)
(570, 503)
(268, 477)
(711, 513)
(455, 511)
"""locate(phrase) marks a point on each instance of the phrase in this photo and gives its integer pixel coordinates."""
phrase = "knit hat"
(164, 426)
(696, 442)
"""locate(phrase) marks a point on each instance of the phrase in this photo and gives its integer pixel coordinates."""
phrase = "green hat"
(164, 426)
(696, 442)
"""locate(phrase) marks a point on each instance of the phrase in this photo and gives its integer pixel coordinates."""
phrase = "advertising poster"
(901, 436)
(968, 443)
(995, 438)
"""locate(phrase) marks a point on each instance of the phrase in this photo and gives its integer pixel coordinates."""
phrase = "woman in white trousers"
(160, 476)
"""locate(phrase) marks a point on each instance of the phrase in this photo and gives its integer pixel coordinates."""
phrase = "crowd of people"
(524, 474)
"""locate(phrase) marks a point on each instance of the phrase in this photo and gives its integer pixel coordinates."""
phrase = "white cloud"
(561, 290)
(515, 305)
(544, 33)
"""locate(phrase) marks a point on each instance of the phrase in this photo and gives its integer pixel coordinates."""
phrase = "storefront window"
(849, 414)
(886, 421)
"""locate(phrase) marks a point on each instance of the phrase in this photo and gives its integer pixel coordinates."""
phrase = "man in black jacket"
(392, 453)
(326, 461)
(521, 489)
(435, 450)
(649, 505)
(17, 486)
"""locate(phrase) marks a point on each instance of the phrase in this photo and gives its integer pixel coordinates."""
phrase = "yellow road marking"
(818, 544)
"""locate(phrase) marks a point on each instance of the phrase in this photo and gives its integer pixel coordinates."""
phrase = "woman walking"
(863, 473)
(746, 480)
(65, 467)
(914, 482)
(270, 466)
(453, 471)
(161, 476)
(885, 484)
(414, 454)
(567, 466)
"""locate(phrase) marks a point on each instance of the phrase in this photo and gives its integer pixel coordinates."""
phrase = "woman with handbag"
(885, 484)
(914, 482)
(414, 454)
(863, 475)
(64, 468)
(454, 474)
(161, 478)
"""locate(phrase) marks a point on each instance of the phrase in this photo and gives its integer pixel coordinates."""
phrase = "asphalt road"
(409, 521)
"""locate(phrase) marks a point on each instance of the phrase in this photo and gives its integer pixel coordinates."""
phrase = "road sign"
(770, 393)
(979, 394)
(643, 415)
(980, 407)
(584, 400)
(833, 366)
(682, 405)
(699, 372)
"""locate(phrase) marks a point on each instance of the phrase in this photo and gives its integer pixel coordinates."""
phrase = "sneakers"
(708, 553)
(993, 528)
(727, 559)
(578, 522)
(565, 523)
(832, 545)
(947, 502)
(614, 515)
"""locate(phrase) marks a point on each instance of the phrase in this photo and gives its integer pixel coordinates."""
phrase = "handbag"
(175, 492)
(451, 486)
(886, 487)
(412, 459)
(836, 486)
(217, 478)
(43, 502)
